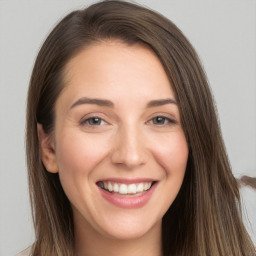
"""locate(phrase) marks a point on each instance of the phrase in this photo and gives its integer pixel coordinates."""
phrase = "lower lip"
(128, 202)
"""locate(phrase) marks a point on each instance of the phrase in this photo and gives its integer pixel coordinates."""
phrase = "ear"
(47, 150)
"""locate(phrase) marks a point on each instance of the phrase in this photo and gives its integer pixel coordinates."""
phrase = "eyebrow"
(108, 103)
(156, 103)
(99, 102)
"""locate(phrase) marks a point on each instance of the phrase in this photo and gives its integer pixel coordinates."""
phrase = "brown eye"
(161, 120)
(93, 121)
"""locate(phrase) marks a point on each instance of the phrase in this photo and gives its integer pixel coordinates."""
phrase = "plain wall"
(224, 35)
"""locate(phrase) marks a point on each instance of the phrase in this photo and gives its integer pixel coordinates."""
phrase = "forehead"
(112, 67)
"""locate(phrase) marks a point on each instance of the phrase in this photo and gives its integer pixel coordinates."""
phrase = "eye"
(93, 121)
(162, 120)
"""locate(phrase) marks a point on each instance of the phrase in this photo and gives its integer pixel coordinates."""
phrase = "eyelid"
(90, 118)
(171, 120)
(87, 117)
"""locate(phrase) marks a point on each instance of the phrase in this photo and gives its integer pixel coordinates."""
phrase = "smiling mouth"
(125, 189)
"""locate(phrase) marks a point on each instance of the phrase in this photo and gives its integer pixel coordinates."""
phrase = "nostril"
(129, 159)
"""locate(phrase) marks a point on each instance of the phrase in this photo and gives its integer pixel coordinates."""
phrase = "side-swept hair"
(205, 218)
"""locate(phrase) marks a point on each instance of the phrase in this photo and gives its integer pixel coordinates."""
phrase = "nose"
(129, 148)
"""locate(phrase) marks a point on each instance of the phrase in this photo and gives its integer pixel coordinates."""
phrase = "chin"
(130, 229)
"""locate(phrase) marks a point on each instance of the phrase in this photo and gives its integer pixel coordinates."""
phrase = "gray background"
(223, 33)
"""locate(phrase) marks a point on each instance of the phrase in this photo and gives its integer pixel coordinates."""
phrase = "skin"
(128, 141)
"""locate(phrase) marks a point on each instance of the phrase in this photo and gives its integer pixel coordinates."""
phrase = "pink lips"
(128, 202)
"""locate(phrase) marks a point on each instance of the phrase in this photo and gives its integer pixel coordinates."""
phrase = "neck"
(89, 242)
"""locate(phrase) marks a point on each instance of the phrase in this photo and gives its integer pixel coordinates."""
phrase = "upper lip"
(127, 181)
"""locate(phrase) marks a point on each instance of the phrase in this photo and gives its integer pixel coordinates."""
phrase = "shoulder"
(26, 252)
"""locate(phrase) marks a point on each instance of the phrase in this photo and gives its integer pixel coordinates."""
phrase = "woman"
(124, 151)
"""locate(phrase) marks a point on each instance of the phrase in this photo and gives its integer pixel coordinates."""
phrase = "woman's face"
(118, 143)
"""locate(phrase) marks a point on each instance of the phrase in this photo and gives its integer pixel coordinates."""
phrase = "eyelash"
(167, 120)
(87, 121)
(98, 121)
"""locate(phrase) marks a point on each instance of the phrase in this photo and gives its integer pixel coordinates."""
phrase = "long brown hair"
(205, 218)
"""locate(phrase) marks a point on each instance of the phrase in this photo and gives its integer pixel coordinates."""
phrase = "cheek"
(77, 157)
(172, 153)
(78, 154)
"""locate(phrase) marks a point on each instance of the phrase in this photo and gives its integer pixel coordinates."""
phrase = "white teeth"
(116, 187)
(124, 188)
(132, 189)
(110, 188)
(147, 186)
(140, 187)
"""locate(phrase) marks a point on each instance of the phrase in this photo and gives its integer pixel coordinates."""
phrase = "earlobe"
(47, 150)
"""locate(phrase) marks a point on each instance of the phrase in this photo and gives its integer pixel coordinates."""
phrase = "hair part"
(205, 217)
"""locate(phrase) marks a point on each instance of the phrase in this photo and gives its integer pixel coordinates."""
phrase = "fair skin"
(117, 125)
